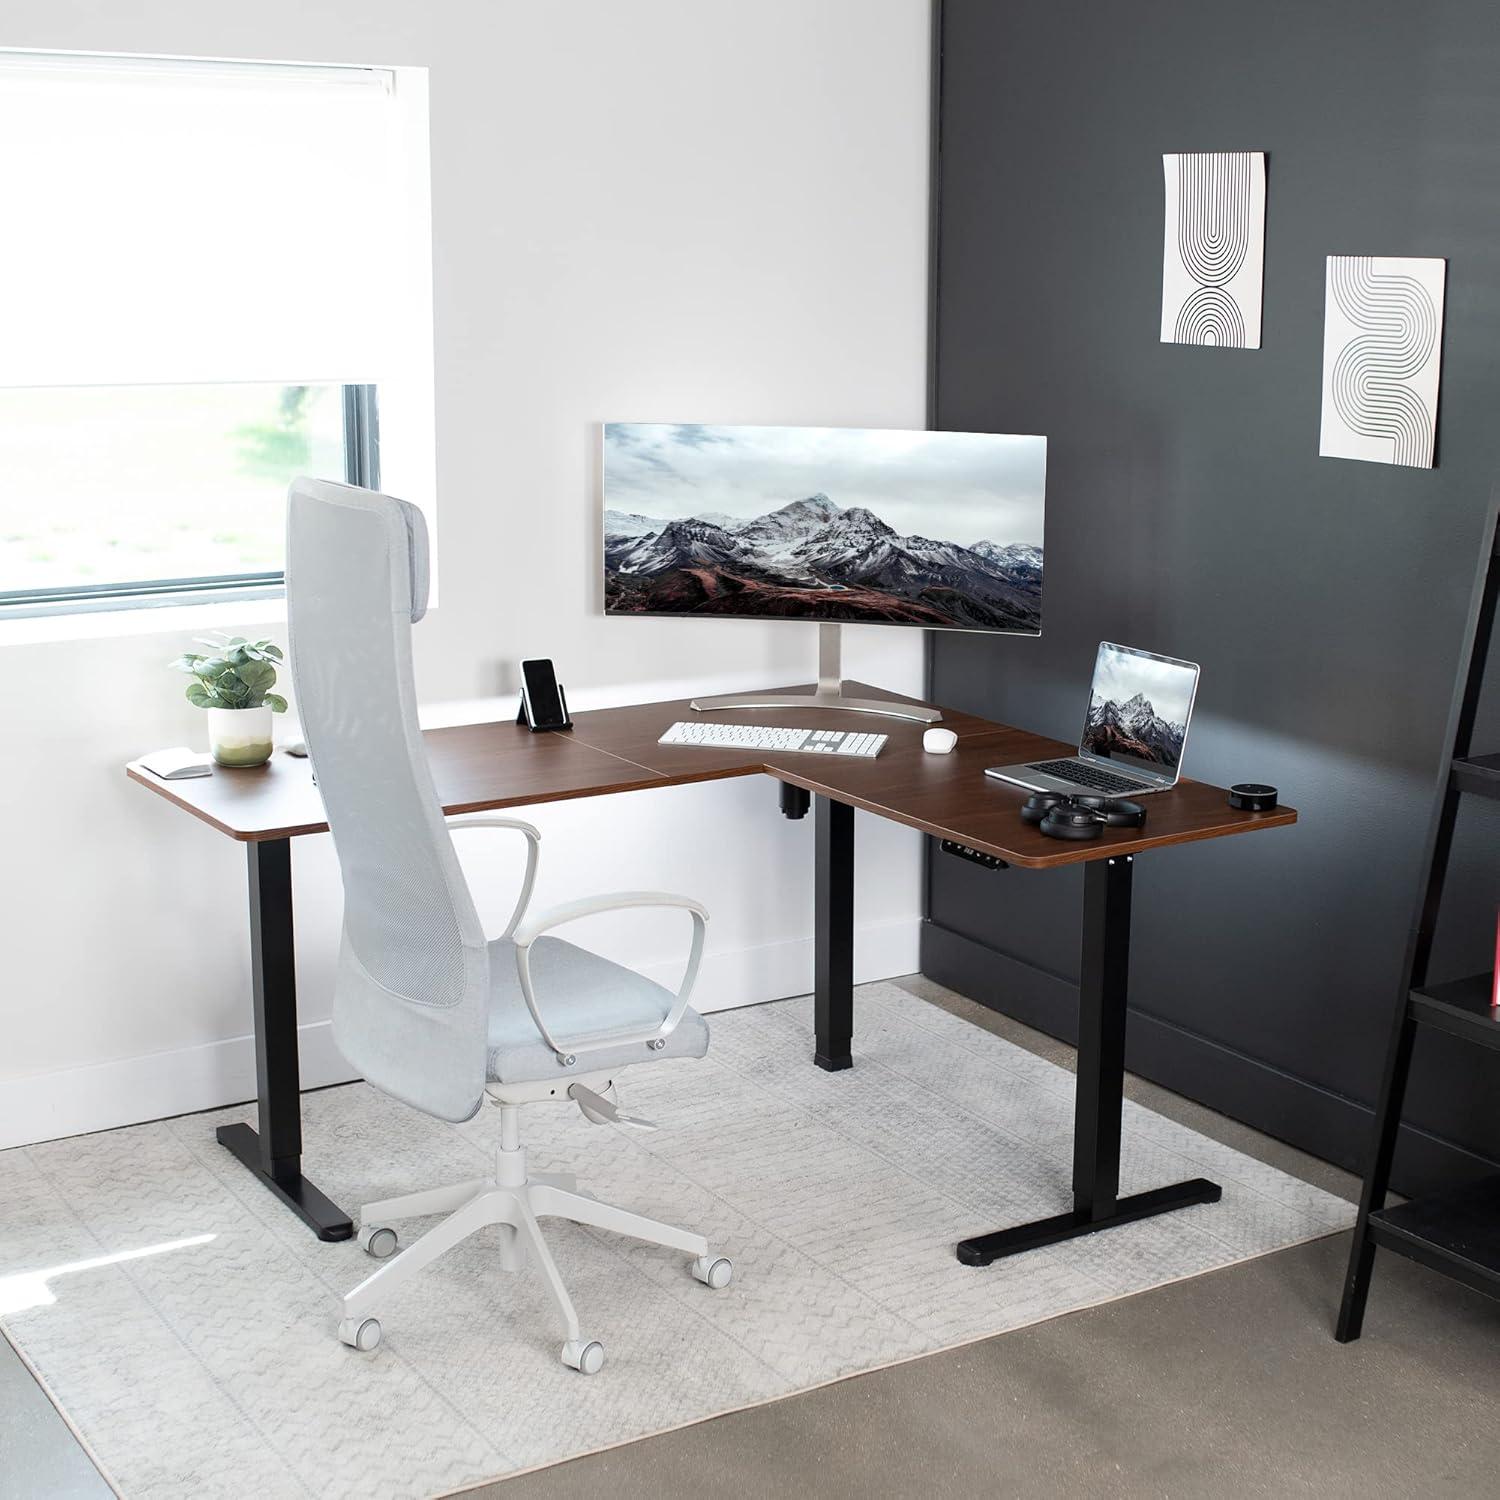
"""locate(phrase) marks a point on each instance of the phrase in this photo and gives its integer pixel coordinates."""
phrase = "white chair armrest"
(569, 1049)
(588, 906)
(533, 853)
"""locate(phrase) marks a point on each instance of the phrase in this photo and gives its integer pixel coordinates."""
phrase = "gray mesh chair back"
(412, 989)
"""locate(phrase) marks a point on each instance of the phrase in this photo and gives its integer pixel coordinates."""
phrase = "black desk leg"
(1102, 995)
(833, 934)
(274, 1153)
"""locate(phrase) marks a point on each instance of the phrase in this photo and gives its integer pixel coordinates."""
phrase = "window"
(116, 494)
(213, 274)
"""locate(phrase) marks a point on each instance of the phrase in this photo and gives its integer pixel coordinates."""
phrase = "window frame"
(361, 424)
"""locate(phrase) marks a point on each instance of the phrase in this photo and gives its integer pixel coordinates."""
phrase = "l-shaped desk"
(483, 767)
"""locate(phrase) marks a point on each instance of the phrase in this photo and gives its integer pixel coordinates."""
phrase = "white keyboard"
(765, 737)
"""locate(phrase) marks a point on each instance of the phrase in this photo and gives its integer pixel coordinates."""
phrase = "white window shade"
(175, 222)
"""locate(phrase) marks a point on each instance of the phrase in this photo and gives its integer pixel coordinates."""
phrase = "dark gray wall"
(1189, 513)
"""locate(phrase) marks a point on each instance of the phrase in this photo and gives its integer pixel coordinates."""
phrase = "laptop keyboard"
(1086, 775)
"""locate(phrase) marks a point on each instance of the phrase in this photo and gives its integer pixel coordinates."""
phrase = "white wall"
(709, 210)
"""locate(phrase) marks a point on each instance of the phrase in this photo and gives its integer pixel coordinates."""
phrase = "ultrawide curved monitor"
(844, 525)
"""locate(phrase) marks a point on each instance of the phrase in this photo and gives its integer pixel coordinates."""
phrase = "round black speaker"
(1252, 796)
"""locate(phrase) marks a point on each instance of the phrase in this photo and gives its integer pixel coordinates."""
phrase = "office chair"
(428, 1009)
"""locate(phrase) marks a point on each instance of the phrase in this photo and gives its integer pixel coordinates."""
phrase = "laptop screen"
(1139, 705)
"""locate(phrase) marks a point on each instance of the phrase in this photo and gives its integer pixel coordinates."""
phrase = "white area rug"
(212, 1369)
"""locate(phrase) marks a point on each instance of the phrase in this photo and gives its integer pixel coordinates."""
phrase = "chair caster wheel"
(377, 1240)
(584, 1355)
(715, 1271)
(360, 1333)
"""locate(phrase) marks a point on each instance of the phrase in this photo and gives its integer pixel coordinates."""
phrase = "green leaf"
(256, 675)
(235, 673)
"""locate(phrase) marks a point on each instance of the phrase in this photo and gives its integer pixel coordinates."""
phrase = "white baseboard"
(75, 1101)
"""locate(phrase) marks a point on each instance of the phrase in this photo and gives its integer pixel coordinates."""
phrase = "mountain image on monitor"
(1133, 728)
(908, 528)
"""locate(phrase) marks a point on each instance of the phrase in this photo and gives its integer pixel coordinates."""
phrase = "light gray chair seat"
(579, 993)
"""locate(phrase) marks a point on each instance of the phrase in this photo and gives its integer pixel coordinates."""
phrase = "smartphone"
(541, 696)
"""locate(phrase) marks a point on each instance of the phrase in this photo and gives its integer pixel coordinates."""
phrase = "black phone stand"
(563, 723)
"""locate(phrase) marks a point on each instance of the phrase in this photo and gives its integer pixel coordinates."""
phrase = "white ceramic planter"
(239, 736)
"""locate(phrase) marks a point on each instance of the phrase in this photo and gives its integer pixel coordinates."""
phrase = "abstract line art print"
(1382, 351)
(1214, 248)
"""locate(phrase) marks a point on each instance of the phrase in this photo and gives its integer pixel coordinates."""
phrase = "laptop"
(1137, 724)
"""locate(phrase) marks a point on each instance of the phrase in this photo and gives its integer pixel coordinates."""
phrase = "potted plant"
(233, 681)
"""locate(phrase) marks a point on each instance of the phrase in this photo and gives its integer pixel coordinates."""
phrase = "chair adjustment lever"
(598, 1110)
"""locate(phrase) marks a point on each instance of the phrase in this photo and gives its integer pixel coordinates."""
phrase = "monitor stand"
(829, 692)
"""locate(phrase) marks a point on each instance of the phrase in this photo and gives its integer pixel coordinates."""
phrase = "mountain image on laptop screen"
(1139, 707)
(911, 528)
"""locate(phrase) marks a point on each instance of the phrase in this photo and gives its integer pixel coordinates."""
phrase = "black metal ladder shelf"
(1457, 1233)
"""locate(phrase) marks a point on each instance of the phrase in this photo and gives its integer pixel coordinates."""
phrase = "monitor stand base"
(829, 692)
(891, 708)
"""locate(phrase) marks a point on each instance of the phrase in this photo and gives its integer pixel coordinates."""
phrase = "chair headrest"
(417, 559)
(406, 527)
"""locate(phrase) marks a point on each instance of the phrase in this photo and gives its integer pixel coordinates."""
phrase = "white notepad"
(178, 763)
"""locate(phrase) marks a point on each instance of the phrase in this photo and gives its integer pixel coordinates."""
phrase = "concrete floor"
(1226, 1385)
(38, 1455)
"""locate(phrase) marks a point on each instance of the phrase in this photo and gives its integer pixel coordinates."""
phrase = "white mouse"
(939, 741)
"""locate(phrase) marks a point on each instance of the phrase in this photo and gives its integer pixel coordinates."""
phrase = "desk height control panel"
(975, 856)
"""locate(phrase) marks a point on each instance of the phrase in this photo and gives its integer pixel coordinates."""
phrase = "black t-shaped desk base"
(1102, 993)
(984, 1248)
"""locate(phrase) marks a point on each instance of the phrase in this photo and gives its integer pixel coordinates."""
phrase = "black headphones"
(1061, 817)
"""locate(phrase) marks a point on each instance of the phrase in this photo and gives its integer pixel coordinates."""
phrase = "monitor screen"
(940, 529)
(1139, 706)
